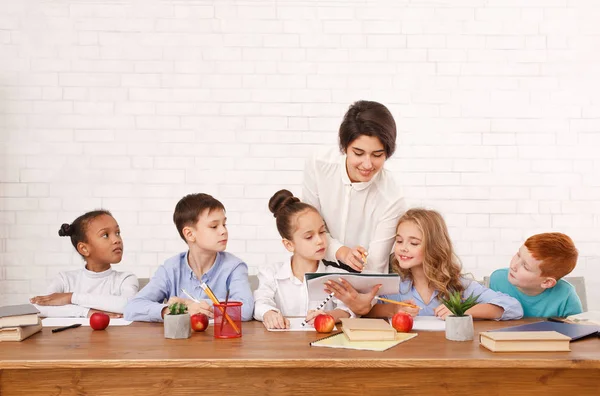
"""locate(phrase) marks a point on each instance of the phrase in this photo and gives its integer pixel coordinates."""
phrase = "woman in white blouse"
(358, 199)
(282, 291)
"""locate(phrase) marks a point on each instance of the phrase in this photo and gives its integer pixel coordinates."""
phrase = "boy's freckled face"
(524, 271)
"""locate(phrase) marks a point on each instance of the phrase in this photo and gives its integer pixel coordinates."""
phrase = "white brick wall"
(129, 105)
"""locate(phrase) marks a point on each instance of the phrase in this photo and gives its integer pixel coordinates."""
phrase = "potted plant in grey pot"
(459, 326)
(177, 322)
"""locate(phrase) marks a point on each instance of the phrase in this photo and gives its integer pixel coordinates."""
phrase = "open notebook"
(340, 340)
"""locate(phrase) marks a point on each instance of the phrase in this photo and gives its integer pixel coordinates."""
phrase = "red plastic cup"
(228, 319)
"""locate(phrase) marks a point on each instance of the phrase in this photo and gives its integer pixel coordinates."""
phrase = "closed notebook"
(361, 329)
(18, 315)
(19, 333)
(340, 340)
(525, 341)
(573, 331)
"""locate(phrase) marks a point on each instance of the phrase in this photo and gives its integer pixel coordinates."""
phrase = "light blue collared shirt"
(228, 272)
(512, 307)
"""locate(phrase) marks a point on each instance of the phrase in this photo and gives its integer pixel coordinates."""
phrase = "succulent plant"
(457, 305)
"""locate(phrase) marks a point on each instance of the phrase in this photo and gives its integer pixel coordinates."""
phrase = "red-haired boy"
(534, 276)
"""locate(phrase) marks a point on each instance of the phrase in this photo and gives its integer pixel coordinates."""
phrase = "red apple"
(324, 323)
(99, 321)
(402, 322)
(199, 322)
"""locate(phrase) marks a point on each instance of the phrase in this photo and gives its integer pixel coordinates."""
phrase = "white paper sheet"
(428, 323)
(589, 318)
(363, 283)
(60, 322)
(296, 325)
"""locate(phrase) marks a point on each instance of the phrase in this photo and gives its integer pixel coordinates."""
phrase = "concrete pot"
(178, 326)
(459, 328)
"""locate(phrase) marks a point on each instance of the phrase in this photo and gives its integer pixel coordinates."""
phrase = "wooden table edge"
(496, 362)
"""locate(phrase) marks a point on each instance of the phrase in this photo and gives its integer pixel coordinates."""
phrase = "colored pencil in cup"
(397, 302)
(214, 299)
(320, 306)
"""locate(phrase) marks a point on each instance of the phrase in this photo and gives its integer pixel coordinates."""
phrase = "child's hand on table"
(275, 320)
(52, 299)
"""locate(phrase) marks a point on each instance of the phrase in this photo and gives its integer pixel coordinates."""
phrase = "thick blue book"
(574, 331)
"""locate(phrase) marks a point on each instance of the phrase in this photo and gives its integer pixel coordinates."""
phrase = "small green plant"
(456, 305)
(177, 309)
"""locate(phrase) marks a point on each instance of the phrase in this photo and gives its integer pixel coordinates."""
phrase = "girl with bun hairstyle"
(281, 291)
(96, 287)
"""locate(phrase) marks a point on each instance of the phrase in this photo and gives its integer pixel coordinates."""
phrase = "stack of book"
(17, 322)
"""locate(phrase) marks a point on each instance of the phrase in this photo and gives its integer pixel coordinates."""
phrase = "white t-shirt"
(105, 291)
(279, 290)
(364, 214)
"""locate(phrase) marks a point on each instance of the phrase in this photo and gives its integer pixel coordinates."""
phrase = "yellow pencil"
(214, 299)
(397, 302)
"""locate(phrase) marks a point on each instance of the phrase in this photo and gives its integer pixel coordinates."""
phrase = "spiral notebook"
(339, 340)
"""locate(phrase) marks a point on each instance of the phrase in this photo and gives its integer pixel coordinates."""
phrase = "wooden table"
(138, 360)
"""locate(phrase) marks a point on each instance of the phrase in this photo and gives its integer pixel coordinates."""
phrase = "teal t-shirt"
(561, 300)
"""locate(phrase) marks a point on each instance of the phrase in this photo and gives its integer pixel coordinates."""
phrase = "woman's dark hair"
(284, 206)
(78, 228)
(370, 119)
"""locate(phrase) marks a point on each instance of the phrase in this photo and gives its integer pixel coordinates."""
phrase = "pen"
(190, 296)
(320, 306)
(73, 326)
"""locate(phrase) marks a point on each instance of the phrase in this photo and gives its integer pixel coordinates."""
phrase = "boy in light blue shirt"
(200, 220)
(534, 276)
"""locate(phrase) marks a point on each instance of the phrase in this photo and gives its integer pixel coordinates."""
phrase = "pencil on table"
(397, 302)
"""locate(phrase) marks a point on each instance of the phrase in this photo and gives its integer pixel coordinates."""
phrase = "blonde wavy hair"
(440, 265)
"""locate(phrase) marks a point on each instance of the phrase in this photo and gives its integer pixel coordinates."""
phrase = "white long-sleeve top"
(279, 290)
(364, 214)
(105, 291)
